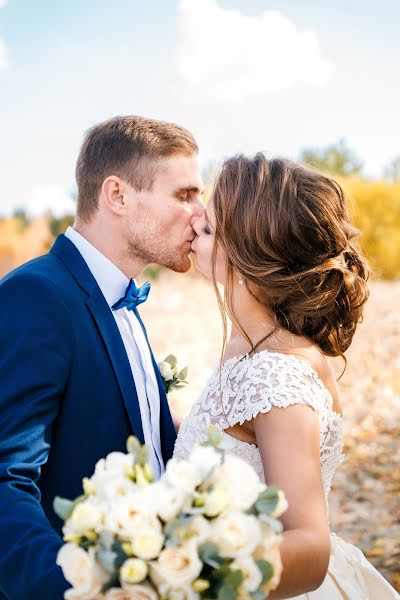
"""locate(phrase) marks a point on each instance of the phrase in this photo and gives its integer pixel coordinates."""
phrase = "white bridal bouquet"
(207, 529)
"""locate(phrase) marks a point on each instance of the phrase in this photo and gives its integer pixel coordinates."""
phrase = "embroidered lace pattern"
(252, 385)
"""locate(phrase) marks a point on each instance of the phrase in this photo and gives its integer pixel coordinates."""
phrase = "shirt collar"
(111, 281)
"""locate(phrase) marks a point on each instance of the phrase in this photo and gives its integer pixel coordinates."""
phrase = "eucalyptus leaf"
(214, 436)
(275, 524)
(171, 360)
(62, 507)
(106, 539)
(257, 595)
(107, 559)
(234, 579)
(183, 373)
(267, 570)
(133, 445)
(268, 500)
(227, 593)
(209, 555)
(113, 582)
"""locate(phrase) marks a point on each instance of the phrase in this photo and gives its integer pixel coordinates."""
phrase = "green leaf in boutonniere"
(171, 376)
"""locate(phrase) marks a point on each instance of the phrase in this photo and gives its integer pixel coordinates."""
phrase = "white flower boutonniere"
(171, 375)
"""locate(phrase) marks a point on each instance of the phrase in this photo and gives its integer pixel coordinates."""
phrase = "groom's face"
(159, 220)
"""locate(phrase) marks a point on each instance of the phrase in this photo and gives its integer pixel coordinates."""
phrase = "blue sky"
(243, 75)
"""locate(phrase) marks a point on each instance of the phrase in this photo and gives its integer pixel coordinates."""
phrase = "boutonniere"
(172, 376)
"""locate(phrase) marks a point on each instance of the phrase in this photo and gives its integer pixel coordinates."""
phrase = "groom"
(77, 375)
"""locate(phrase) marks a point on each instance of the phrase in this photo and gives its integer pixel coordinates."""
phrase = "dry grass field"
(182, 318)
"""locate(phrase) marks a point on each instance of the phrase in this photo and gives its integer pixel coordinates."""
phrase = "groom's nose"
(195, 223)
(198, 210)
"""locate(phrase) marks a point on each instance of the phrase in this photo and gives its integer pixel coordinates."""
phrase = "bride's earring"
(240, 282)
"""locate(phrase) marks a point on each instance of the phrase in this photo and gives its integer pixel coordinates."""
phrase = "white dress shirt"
(113, 283)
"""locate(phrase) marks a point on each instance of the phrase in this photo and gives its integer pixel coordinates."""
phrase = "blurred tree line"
(374, 204)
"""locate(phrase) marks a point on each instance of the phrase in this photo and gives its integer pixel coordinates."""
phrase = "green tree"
(336, 159)
(392, 170)
(59, 225)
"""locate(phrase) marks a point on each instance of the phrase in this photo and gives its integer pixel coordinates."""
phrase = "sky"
(242, 75)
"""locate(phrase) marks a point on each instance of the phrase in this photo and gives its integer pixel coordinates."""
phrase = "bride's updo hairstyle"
(285, 229)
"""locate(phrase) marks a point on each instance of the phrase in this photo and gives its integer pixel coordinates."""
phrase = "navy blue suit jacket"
(67, 398)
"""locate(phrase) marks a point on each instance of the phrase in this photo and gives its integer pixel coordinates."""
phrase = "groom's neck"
(112, 246)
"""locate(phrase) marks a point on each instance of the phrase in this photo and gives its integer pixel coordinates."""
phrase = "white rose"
(134, 570)
(269, 549)
(147, 544)
(205, 459)
(81, 571)
(236, 534)
(166, 371)
(167, 500)
(176, 566)
(132, 592)
(240, 480)
(281, 507)
(86, 515)
(109, 485)
(119, 462)
(216, 501)
(182, 474)
(128, 515)
(199, 528)
(177, 592)
(252, 574)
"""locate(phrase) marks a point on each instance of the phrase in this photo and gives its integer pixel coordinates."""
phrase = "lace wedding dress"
(253, 385)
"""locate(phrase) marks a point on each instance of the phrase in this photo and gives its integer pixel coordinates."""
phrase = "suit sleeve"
(35, 355)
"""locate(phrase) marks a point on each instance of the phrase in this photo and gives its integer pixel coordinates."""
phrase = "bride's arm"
(288, 440)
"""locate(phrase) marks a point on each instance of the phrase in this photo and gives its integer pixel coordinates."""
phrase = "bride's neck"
(255, 319)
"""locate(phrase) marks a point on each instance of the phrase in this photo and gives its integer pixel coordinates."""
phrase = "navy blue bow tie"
(133, 296)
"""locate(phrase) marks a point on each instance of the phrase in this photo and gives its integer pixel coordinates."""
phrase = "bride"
(277, 236)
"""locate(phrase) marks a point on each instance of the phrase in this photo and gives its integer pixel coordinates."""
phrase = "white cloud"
(226, 55)
(49, 197)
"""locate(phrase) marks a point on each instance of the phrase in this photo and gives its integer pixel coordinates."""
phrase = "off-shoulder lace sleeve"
(254, 385)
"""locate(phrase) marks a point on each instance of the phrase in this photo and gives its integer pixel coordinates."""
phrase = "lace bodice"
(252, 385)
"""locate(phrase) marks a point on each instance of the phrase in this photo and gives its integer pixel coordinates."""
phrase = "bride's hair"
(285, 228)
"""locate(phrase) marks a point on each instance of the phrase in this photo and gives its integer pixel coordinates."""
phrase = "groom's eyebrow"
(191, 188)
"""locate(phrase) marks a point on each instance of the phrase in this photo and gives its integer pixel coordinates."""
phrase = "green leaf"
(234, 579)
(275, 524)
(267, 570)
(113, 582)
(133, 445)
(258, 595)
(171, 360)
(209, 555)
(107, 558)
(183, 374)
(267, 500)
(62, 507)
(106, 539)
(227, 593)
(214, 436)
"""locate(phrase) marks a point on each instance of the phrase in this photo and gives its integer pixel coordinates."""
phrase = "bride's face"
(203, 243)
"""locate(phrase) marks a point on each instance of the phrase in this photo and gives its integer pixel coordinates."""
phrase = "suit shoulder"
(43, 269)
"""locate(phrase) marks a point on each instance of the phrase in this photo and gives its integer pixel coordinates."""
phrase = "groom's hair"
(129, 147)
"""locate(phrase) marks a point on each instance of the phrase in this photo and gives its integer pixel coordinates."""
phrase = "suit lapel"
(101, 313)
(118, 357)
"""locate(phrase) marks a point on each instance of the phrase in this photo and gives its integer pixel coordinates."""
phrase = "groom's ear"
(114, 194)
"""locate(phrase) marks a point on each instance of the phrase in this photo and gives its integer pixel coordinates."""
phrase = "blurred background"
(311, 81)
